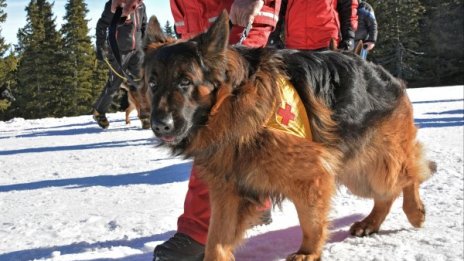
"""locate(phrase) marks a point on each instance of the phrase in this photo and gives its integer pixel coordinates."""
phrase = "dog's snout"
(162, 126)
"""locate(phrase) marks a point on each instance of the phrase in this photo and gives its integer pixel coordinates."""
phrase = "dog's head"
(184, 77)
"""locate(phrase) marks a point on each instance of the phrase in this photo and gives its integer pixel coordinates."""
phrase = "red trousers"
(195, 219)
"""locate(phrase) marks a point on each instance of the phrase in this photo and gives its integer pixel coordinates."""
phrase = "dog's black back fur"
(359, 92)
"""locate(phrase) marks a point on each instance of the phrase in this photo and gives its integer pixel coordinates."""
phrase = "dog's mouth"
(173, 139)
(170, 140)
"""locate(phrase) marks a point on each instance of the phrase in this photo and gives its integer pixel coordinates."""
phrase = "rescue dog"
(137, 99)
(224, 107)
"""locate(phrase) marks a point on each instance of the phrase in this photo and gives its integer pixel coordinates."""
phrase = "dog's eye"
(184, 83)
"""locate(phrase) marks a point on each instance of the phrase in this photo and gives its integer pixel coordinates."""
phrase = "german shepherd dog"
(137, 99)
(213, 102)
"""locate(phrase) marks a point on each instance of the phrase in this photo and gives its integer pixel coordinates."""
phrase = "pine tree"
(398, 47)
(3, 45)
(168, 30)
(8, 65)
(79, 60)
(39, 74)
(443, 38)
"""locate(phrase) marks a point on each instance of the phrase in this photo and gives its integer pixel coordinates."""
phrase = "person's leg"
(106, 97)
(195, 219)
(112, 84)
(104, 100)
(192, 226)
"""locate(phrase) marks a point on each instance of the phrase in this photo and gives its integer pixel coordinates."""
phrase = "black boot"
(101, 120)
(180, 247)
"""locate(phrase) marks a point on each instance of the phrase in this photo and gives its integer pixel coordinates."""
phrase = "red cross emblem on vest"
(286, 114)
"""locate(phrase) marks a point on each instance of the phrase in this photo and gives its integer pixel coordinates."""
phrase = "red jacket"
(195, 16)
(310, 24)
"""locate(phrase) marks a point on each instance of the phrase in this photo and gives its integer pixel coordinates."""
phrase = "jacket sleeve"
(371, 23)
(347, 11)
(102, 25)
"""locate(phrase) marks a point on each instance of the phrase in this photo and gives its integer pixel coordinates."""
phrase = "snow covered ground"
(70, 191)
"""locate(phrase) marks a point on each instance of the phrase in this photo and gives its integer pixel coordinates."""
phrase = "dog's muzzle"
(163, 128)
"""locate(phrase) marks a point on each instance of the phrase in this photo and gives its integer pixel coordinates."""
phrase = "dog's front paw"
(363, 228)
(303, 257)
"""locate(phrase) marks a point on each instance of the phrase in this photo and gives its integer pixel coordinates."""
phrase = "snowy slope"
(70, 191)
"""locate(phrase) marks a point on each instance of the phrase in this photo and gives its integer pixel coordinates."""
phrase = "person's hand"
(346, 45)
(243, 12)
(368, 45)
(128, 6)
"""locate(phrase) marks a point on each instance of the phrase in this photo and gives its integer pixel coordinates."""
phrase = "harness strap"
(245, 33)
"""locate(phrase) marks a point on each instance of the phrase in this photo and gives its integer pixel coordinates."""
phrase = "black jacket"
(345, 11)
(367, 24)
(129, 34)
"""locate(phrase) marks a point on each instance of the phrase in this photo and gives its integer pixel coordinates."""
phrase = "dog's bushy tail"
(427, 167)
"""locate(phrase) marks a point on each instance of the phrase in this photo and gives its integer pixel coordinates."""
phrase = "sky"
(72, 191)
(17, 15)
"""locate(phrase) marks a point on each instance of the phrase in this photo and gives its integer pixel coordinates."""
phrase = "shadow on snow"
(173, 173)
(100, 145)
(268, 246)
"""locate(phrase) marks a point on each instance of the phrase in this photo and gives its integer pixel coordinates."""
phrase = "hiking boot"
(101, 120)
(180, 247)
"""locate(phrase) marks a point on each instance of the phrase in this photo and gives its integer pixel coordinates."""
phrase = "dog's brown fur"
(138, 100)
(212, 102)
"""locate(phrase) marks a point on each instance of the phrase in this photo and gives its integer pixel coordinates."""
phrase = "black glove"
(276, 42)
(346, 44)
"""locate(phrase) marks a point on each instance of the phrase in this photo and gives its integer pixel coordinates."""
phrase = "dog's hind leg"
(418, 170)
(371, 224)
(413, 206)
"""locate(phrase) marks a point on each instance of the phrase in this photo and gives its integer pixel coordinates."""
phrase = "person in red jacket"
(309, 24)
(313, 24)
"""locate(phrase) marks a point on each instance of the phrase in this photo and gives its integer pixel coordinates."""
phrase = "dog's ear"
(357, 49)
(215, 40)
(154, 33)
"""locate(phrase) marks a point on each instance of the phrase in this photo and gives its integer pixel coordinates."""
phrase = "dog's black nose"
(162, 126)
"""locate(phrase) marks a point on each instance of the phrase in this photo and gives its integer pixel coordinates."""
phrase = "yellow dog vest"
(290, 115)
